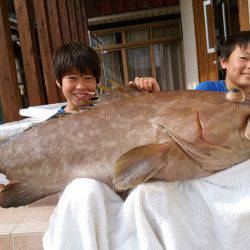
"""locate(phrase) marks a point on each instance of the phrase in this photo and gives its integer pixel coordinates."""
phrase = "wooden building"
(136, 37)
(36, 28)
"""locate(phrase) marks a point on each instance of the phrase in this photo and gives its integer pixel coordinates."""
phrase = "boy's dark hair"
(75, 56)
(241, 39)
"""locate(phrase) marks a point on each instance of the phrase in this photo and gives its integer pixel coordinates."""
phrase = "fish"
(131, 139)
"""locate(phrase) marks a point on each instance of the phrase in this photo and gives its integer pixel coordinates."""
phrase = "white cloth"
(207, 213)
(13, 128)
(37, 115)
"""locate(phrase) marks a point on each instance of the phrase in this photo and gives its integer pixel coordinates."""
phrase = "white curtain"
(169, 66)
(137, 35)
(112, 61)
(167, 57)
(138, 59)
(113, 68)
(139, 63)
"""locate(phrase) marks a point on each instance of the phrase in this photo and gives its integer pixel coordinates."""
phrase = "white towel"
(207, 213)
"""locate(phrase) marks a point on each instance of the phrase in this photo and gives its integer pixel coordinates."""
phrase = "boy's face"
(78, 89)
(238, 67)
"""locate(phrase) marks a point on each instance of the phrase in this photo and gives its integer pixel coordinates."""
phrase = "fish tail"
(16, 194)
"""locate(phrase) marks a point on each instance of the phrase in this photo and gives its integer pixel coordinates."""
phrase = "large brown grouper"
(170, 136)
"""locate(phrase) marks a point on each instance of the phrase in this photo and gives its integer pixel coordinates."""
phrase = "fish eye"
(235, 90)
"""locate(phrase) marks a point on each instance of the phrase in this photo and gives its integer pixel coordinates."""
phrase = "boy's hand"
(146, 83)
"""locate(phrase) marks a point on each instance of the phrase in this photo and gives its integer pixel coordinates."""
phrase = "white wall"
(190, 58)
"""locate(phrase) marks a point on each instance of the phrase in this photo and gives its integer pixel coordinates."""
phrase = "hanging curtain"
(167, 57)
(112, 61)
(139, 63)
(169, 66)
(133, 36)
(138, 59)
(113, 68)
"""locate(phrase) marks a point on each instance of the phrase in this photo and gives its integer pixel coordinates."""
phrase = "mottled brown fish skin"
(203, 133)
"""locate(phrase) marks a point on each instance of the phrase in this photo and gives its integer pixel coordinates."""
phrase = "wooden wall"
(96, 8)
(43, 25)
(9, 96)
(244, 14)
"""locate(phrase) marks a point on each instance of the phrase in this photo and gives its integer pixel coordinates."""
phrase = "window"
(142, 50)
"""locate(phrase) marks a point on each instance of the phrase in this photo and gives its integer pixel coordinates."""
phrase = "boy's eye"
(89, 78)
(243, 58)
(71, 77)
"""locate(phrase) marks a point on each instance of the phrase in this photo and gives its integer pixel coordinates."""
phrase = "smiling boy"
(235, 60)
(76, 68)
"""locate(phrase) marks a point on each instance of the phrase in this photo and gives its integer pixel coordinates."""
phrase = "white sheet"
(207, 213)
(36, 114)
(13, 128)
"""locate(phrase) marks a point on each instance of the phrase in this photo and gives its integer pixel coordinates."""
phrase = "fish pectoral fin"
(139, 165)
(17, 194)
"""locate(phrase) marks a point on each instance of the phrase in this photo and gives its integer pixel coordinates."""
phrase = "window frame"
(140, 44)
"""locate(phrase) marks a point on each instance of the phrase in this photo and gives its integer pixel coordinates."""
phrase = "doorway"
(214, 21)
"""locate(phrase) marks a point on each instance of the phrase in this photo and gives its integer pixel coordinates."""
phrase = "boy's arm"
(146, 83)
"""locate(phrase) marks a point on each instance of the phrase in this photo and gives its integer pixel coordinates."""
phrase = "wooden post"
(24, 11)
(45, 43)
(79, 21)
(243, 15)
(9, 93)
(85, 22)
(56, 31)
(64, 21)
(72, 21)
(55, 28)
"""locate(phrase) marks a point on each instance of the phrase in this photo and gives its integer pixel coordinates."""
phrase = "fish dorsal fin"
(139, 165)
(123, 88)
(247, 130)
(118, 89)
(115, 92)
(19, 194)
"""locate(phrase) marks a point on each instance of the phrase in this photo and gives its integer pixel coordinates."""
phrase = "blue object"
(61, 111)
(218, 86)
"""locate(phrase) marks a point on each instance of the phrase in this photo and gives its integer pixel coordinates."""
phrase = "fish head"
(210, 128)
